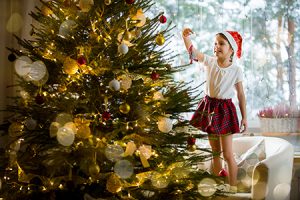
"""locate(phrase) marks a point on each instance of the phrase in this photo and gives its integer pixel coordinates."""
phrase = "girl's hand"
(187, 32)
(244, 125)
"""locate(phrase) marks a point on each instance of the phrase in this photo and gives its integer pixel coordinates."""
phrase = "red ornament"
(105, 116)
(191, 140)
(223, 173)
(39, 99)
(81, 60)
(162, 19)
(154, 76)
(130, 1)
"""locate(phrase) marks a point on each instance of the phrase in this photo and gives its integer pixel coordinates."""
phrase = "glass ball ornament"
(155, 76)
(124, 108)
(159, 180)
(85, 5)
(123, 48)
(160, 39)
(162, 19)
(114, 152)
(165, 124)
(67, 28)
(123, 168)
(22, 65)
(37, 71)
(41, 81)
(11, 57)
(127, 35)
(54, 126)
(114, 85)
(65, 136)
(30, 123)
(63, 118)
(107, 2)
(70, 66)
(191, 148)
(207, 187)
(94, 169)
(130, 1)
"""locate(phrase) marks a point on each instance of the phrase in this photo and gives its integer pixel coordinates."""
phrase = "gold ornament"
(83, 131)
(160, 40)
(114, 184)
(15, 129)
(86, 5)
(46, 10)
(70, 66)
(124, 108)
(94, 169)
(140, 18)
(107, 2)
(127, 36)
(191, 148)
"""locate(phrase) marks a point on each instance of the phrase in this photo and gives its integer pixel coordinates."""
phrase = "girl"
(216, 114)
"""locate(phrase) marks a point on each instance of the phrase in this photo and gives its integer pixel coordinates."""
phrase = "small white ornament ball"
(22, 65)
(123, 168)
(114, 85)
(37, 71)
(65, 136)
(207, 187)
(123, 48)
(114, 152)
(165, 124)
(67, 28)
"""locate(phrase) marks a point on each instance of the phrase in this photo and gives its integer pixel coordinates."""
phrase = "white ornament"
(207, 187)
(85, 5)
(37, 71)
(114, 85)
(123, 48)
(67, 28)
(123, 168)
(22, 65)
(159, 180)
(42, 81)
(114, 152)
(65, 136)
(165, 124)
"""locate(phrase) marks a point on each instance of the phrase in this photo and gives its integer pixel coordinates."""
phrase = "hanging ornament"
(63, 118)
(46, 10)
(22, 65)
(207, 187)
(39, 99)
(65, 136)
(130, 1)
(191, 148)
(15, 129)
(158, 96)
(86, 5)
(114, 152)
(11, 57)
(54, 126)
(67, 28)
(127, 36)
(191, 140)
(162, 19)
(126, 82)
(114, 184)
(154, 76)
(114, 85)
(140, 18)
(159, 180)
(105, 116)
(123, 48)
(107, 2)
(30, 123)
(41, 81)
(83, 131)
(223, 173)
(123, 168)
(94, 169)
(37, 71)
(70, 66)
(124, 108)
(81, 60)
(165, 124)
(160, 40)
(72, 126)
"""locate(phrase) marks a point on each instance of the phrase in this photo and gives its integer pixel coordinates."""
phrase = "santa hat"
(235, 40)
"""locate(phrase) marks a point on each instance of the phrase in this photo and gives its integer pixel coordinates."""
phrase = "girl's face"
(222, 48)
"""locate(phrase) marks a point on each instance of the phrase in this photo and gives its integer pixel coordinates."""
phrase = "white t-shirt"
(220, 81)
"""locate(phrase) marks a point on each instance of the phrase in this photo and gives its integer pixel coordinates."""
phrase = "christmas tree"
(98, 113)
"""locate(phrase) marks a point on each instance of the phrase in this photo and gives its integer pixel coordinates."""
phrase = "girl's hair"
(224, 37)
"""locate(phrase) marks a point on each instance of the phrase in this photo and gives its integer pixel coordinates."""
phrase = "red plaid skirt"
(216, 116)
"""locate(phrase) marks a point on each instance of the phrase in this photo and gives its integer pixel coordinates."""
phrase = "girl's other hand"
(244, 125)
(187, 32)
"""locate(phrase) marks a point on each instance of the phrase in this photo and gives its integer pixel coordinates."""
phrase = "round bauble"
(124, 108)
(165, 124)
(160, 40)
(162, 19)
(114, 85)
(123, 48)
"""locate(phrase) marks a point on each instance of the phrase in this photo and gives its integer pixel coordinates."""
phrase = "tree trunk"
(277, 55)
(292, 62)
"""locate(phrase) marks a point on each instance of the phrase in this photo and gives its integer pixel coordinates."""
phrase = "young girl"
(216, 114)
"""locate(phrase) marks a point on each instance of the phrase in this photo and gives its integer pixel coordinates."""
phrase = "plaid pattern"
(216, 116)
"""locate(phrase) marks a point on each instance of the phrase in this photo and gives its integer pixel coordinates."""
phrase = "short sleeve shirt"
(220, 82)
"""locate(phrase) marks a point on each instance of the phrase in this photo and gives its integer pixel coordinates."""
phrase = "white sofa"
(275, 171)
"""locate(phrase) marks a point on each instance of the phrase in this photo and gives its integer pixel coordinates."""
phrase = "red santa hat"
(235, 40)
